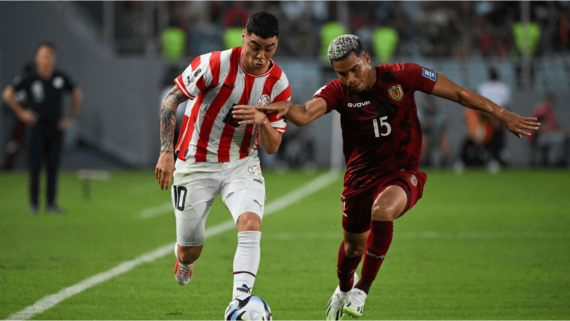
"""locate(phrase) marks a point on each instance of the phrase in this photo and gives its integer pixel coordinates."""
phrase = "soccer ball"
(248, 307)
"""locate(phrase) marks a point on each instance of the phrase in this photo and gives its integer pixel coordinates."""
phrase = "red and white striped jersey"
(214, 83)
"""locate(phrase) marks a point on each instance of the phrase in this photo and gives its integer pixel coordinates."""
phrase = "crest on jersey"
(396, 92)
(413, 180)
(254, 169)
(264, 100)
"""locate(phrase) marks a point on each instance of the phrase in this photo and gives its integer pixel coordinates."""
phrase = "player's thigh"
(192, 197)
(243, 190)
(390, 202)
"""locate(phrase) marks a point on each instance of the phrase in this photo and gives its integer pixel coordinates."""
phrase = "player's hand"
(249, 115)
(28, 116)
(281, 107)
(520, 125)
(164, 169)
(63, 124)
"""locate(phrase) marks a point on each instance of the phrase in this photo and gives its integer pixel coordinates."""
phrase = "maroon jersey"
(380, 127)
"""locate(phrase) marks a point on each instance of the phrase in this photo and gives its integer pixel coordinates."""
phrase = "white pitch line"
(280, 203)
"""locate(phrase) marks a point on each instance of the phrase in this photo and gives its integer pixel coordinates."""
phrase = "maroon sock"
(377, 246)
(345, 269)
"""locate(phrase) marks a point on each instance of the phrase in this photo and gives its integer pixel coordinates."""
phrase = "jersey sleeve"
(331, 93)
(195, 78)
(281, 92)
(420, 78)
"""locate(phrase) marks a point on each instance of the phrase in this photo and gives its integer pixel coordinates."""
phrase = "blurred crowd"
(410, 28)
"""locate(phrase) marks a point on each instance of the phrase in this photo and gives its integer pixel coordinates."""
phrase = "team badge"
(193, 78)
(264, 100)
(396, 92)
(254, 169)
(57, 82)
(414, 180)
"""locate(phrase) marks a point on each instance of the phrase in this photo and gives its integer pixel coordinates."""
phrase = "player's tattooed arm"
(168, 118)
(516, 124)
(165, 165)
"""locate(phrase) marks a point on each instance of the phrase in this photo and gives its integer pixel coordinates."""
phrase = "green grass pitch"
(476, 246)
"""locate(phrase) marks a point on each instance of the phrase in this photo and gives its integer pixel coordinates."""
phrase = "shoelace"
(182, 268)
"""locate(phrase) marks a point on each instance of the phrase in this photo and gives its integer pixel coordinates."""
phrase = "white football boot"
(337, 301)
(355, 304)
(183, 274)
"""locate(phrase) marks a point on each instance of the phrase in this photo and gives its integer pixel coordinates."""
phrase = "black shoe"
(33, 210)
(54, 209)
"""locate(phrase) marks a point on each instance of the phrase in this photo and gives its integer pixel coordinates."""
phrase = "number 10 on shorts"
(382, 123)
(179, 196)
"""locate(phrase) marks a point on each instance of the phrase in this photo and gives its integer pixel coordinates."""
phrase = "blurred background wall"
(123, 54)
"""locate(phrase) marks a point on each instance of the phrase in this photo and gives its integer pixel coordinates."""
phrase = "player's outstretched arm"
(269, 137)
(298, 114)
(518, 125)
(165, 165)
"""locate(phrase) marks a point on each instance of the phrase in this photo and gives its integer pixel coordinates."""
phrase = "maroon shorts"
(357, 207)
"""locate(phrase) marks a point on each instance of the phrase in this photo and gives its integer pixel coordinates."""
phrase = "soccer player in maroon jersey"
(382, 145)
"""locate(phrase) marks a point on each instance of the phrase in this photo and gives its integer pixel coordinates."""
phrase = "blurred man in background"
(435, 141)
(44, 91)
(551, 142)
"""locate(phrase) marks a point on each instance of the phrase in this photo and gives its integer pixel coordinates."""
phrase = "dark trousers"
(45, 146)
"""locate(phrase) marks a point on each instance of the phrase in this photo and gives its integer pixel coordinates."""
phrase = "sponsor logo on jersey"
(396, 92)
(429, 74)
(57, 82)
(358, 105)
(264, 100)
(254, 169)
(193, 78)
(375, 256)
(261, 206)
(413, 180)
(259, 180)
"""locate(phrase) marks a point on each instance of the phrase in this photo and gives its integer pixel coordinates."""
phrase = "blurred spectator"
(236, 15)
(550, 143)
(483, 146)
(329, 32)
(173, 43)
(495, 90)
(435, 144)
(384, 42)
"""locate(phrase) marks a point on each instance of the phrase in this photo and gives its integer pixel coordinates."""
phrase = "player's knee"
(249, 222)
(385, 213)
(353, 250)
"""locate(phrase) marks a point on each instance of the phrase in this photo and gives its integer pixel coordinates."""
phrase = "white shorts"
(240, 183)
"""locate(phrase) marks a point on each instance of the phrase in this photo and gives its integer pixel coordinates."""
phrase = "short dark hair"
(263, 24)
(343, 46)
(48, 44)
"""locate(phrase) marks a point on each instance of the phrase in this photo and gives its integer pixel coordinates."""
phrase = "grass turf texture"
(476, 246)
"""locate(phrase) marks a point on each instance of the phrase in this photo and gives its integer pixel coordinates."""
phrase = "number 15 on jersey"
(377, 128)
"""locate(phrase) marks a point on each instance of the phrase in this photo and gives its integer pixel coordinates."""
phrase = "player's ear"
(367, 58)
(243, 36)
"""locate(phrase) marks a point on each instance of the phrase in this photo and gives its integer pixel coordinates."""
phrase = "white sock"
(183, 266)
(246, 262)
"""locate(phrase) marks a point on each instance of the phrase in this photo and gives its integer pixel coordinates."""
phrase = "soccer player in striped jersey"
(382, 145)
(217, 153)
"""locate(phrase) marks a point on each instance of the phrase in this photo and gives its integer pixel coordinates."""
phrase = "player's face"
(45, 59)
(355, 72)
(257, 52)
